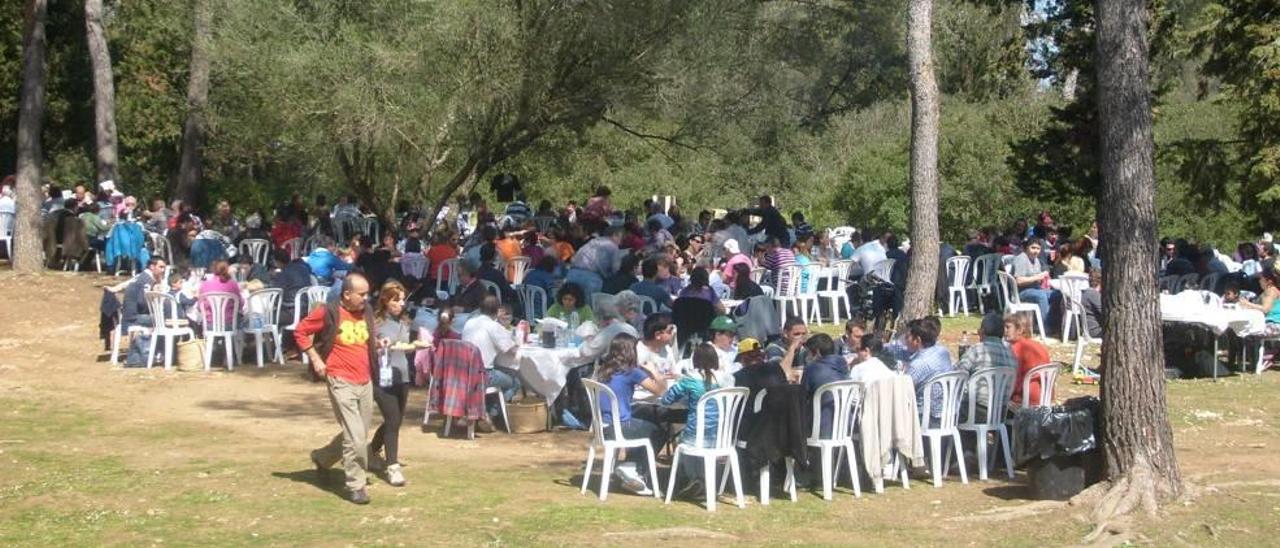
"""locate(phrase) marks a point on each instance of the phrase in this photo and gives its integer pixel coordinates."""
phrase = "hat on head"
(1267, 238)
(723, 323)
(732, 247)
(748, 345)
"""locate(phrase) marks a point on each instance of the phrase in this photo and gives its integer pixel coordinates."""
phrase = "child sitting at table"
(689, 390)
(620, 370)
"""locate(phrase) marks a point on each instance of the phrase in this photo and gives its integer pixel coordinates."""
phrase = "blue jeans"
(505, 381)
(590, 282)
(1041, 298)
(637, 428)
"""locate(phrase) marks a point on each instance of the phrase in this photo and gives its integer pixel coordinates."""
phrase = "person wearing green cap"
(724, 331)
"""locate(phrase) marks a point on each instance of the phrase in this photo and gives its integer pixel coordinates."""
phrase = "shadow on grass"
(329, 481)
(1012, 491)
(307, 407)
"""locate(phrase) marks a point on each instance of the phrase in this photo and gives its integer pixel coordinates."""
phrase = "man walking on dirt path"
(336, 338)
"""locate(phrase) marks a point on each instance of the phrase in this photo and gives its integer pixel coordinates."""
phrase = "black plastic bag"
(1058, 431)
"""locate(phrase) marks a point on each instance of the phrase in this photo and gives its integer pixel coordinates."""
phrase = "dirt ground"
(83, 439)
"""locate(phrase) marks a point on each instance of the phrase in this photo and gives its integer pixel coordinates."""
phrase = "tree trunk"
(28, 254)
(104, 94)
(1137, 440)
(923, 274)
(189, 189)
(470, 170)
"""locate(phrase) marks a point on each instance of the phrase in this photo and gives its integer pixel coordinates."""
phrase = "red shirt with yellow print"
(349, 359)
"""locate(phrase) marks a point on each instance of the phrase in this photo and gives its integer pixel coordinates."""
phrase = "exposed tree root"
(1010, 513)
(1112, 516)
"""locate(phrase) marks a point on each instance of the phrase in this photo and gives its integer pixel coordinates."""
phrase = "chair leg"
(737, 480)
(791, 478)
(826, 472)
(709, 475)
(935, 461)
(653, 471)
(151, 351)
(448, 425)
(853, 470)
(1004, 444)
(606, 471)
(764, 484)
(959, 450)
(115, 346)
(257, 343)
(208, 353)
(981, 441)
(586, 474)
(168, 353)
(671, 479)
(502, 406)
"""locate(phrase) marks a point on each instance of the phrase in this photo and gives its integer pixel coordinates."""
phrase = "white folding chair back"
(610, 446)
(648, 306)
(1012, 302)
(369, 226)
(1209, 282)
(757, 274)
(294, 248)
(447, 283)
(836, 291)
(264, 319)
(846, 406)
(165, 324)
(259, 250)
(787, 292)
(951, 385)
(1048, 375)
(997, 382)
(1185, 282)
(221, 310)
(1071, 285)
(1083, 339)
(344, 228)
(535, 302)
(982, 278)
(883, 270)
(957, 290)
(729, 404)
(310, 245)
(517, 267)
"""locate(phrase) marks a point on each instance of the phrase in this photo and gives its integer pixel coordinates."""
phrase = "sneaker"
(631, 481)
(377, 463)
(359, 496)
(394, 476)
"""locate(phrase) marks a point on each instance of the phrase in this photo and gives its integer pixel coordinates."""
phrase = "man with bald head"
(336, 338)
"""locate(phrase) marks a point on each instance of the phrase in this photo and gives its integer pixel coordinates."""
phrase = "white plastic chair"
(6, 234)
(294, 247)
(492, 289)
(810, 307)
(1083, 340)
(265, 304)
(1013, 303)
(310, 244)
(1185, 282)
(957, 291)
(224, 320)
(836, 292)
(259, 250)
(414, 264)
(611, 446)
(118, 333)
(982, 279)
(951, 384)
(998, 382)
(166, 324)
(447, 284)
(730, 403)
(1071, 285)
(369, 226)
(517, 267)
(648, 306)
(846, 400)
(1048, 375)
(787, 293)
(314, 294)
(535, 301)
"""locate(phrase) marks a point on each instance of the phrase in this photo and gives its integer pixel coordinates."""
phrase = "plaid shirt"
(922, 365)
(991, 352)
(458, 371)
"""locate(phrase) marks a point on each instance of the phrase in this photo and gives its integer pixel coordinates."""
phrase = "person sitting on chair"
(620, 370)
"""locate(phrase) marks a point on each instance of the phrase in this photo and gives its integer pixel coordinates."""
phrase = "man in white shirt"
(870, 254)
(868, 368)
(654, 350)
(610, 319)
(7, 204)
(495, 343)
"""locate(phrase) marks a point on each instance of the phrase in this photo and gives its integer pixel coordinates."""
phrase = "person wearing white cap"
(734, 256)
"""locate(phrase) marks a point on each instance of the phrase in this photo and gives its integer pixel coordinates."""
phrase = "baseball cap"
(723, 323)
(748, 345)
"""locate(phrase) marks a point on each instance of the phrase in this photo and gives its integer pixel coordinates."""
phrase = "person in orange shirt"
(336, 338)
(443, 247)
(1028, 352)
(564, 246)
(508, 247)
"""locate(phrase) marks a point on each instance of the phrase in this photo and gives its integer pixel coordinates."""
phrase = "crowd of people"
(454, 278)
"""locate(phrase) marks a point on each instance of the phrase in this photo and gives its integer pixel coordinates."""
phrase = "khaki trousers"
(353, 407)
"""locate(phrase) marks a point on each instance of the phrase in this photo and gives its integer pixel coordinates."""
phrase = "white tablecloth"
(1189, 307)
(542, 370)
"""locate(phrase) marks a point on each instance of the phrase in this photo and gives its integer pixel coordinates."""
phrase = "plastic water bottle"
(573, 328)
(384, 370)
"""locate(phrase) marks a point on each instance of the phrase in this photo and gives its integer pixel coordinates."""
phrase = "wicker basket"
(189, 355)
(528, 416)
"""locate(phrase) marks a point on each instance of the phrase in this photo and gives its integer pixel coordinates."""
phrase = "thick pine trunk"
(923, 274)
(193, 129)
(1137, 439)
(104, 93)
(28, 254)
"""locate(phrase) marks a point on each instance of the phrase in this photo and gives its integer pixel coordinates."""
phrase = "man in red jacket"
(337, 339)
